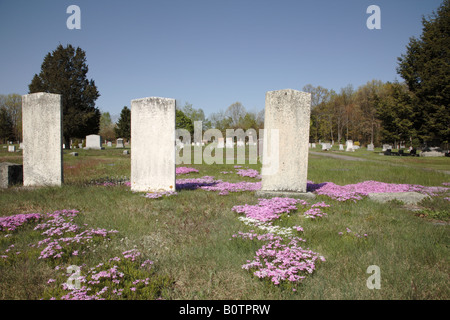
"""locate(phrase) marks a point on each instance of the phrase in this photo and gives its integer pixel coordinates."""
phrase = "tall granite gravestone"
(42, 136)
(93, 141)
(286, 136)
(152, 150)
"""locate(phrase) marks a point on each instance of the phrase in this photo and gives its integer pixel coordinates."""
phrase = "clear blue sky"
(210, 53)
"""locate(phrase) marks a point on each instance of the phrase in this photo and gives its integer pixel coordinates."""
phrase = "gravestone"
(109, 144)
(286, 136)
(341, 147)
(313, 145)
(125, 152)
(42, 136)
(11, 148)
(10, 174)
(93, 141)
(370, 147)
(119, 143)
(75, 154)
(152, 151)
(349, 145)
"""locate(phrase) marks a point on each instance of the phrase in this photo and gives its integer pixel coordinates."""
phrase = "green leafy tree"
(183, 122)
(107, 127)
(64, 71)
(426, 70)
(123, 128)
(13, 105)
(6, 125)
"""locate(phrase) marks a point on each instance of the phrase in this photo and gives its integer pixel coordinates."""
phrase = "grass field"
(189, 236)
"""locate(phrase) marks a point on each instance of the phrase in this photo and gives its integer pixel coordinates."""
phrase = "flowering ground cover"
(187, 236)
(281, 259)
(64, 245)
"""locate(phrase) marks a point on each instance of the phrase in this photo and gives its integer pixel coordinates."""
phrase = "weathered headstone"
(152, 151)
(119, 143)
(11, 148)
(286, 124)
(349, 145)
(370, 147)
(341, 147)
(93, 141)
(109, 144)
(313, 145)
(42, 123)
(10, 174)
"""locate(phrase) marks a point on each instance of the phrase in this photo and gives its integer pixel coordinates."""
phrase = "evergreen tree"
(123, 128)
(183, 122)
(426, 70)
(64, 72)
(395, 111)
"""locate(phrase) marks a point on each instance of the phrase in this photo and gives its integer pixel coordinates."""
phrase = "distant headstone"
(349, 145)
(313, 145)
(341, 147)
(432, 153)
(370, 147)
(75, 154)
(109, 144)
(386, 147)
(42, 125)
(126, 152)
(11, 148)
(93, 141)
(10, 174)
(119, 143)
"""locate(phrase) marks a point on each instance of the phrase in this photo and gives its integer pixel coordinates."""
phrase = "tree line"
(415, 111)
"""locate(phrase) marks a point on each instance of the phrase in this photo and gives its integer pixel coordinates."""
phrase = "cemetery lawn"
(189, 236)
